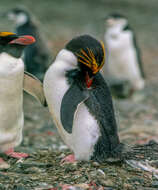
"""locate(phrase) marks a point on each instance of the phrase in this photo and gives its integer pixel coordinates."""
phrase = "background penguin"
(36, 56)
(80, 102)
(124, 60)
(12, 82)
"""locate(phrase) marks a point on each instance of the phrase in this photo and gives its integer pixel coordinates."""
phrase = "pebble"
(96, 164)
(34, 170)
(127, 186)
(107, 182)
(4, 165)
(101, 172)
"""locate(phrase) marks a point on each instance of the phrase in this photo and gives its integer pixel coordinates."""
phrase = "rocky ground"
(137, 117)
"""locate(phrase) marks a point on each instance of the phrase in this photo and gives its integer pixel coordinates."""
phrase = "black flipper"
(72, 98)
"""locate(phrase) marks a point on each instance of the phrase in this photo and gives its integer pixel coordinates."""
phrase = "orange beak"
(23, 40)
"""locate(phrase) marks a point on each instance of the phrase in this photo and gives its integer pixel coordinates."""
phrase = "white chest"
(11, 88)
(11, 98)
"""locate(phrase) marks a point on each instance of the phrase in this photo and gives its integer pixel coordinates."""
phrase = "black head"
(14, 44)
(18, 15)
(6, 37)
(115, 16)
(116, 20)
(90, 54)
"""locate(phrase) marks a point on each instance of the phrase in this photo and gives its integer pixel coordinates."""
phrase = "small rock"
(34, 170)
(107, 182)
(61, 155)
(100, 172)
(4, 165)
(63, 147)
(96, 164)
(127, 186)
(82, 185)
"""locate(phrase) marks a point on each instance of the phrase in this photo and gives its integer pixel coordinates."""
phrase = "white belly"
(85, 128)
(11, 104)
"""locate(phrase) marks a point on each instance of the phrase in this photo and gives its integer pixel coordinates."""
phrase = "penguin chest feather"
(11, 99)
(85, 133)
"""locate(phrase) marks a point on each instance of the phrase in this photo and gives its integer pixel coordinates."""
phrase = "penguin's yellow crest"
(3, 34)
(90, 60)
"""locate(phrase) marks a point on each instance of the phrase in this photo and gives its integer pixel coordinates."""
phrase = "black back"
(13, 49)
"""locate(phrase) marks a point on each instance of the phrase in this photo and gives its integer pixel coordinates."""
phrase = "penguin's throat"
(8, 62)
(89, 80)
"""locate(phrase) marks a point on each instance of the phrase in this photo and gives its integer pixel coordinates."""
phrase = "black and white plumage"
(124, 61)
(12, 83)
(11, 90)
(79, 100)
(36, 56)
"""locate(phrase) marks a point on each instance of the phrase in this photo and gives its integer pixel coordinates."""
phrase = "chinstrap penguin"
(80, 102)
(124, 60)
(36, 56)
(12, 82)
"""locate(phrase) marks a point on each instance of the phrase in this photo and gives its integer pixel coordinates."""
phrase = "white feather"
(85, 128)
(122, 59)
(11, 100)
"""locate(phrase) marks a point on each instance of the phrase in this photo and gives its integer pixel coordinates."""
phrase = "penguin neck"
(14, 50)
(8, 63)
(114, 30)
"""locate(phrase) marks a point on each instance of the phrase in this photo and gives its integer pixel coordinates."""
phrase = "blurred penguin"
(124, 61)
(12, 82)
(36, 56)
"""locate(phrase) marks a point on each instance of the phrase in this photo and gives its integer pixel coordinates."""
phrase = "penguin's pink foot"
(69, 159)
(17, 155)
(3, 164)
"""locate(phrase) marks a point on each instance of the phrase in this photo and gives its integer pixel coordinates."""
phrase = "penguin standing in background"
(36, 56)
(12, 82)
(80, 102)
(124, 61)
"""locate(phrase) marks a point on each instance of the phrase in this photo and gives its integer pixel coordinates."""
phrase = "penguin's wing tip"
(33, 86)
